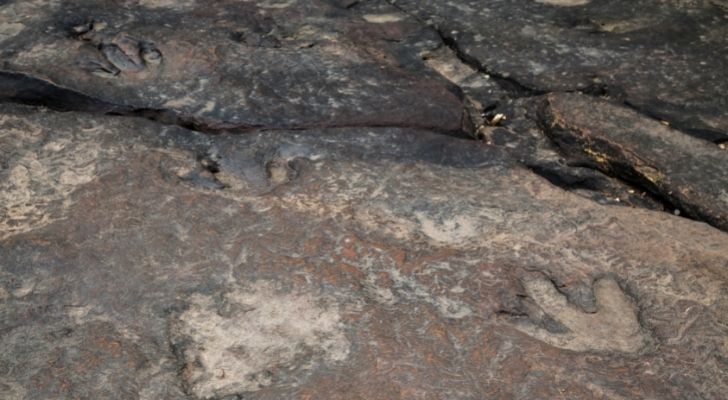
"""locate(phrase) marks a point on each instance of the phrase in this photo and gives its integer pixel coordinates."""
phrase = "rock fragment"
(689, 173)
(669, 63)
(283, 65)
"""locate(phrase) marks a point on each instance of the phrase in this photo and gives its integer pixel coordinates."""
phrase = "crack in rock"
(30, 90)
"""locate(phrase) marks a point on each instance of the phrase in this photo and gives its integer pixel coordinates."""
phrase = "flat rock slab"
(225, 64)
(141, 261)
(522, 137)
(669, 62)
(255, 199)
(689, 173)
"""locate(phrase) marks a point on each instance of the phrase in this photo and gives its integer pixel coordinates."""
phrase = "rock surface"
(279, 200)
(229, 64)
(669, 61)
(687, 172)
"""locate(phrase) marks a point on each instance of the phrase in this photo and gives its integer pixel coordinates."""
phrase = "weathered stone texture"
(289, 199)
(689, 173)
(667, 58)
(232, 64)
(388, 263)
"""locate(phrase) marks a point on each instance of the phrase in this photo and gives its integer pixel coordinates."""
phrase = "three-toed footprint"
(613, 327)
(116, 52)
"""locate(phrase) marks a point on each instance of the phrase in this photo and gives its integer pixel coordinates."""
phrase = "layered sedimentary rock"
(669, 62)
(689, 173)
(226, 64)
(290, 199)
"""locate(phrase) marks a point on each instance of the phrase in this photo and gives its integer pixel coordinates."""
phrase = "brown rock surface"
(387, 263)
(268, 200)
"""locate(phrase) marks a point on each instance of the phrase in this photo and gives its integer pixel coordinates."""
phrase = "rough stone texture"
(408, 258)
(236, 343)
(688, 172)
(523, 137)
(268, 200)
(612, 326)
(669, 61)
(229, 64)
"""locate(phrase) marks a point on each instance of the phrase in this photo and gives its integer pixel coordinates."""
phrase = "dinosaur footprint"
(119, 52)
(614, 326)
